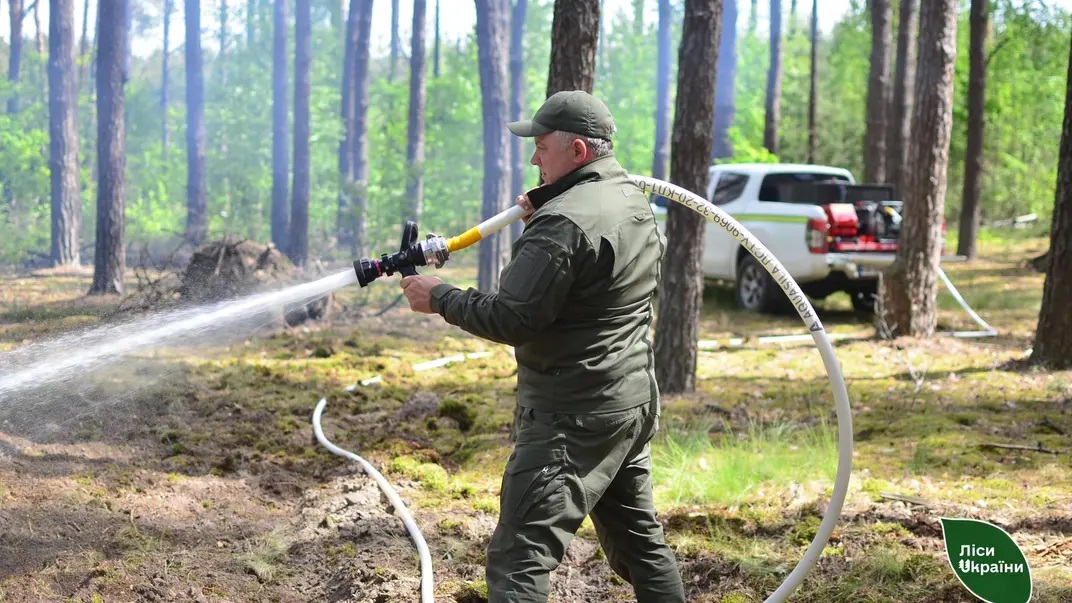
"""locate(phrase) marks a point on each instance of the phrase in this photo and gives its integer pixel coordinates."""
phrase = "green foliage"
(24, 187)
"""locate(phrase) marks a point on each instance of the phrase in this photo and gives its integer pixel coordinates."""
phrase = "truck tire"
(756, 289)
(863, 300)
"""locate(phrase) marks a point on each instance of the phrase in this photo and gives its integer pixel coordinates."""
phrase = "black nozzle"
(405, 260)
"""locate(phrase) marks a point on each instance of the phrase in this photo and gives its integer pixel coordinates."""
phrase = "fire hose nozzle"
(412, 253)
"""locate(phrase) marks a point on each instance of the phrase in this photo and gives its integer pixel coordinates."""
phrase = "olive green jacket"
(575, 301)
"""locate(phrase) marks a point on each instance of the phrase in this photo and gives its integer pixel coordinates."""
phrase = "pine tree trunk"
(298, 242)
(222, 56)
(396, 44)
(878, 86)
(574, 38)
(251, 23)
(165, 80)
(37, 28)
(63, 135)
(904, 85)
(910, 287)
(517, 101)
(813, 85)
(84, 46)
(109, 260)
(358, 218)
(127, 51)
(196, 212)
(725, 85)
(280, 129)
(492, 34)
(14, 60)
(436, 59)
(661, 159)
(1053, 338)
(343, 232)
(773, 106)
(973, 154)
(681, 290)
(415, 135)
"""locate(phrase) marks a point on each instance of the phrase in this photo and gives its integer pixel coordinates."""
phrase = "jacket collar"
(600, 169)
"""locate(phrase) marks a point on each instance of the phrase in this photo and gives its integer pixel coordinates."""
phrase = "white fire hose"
(803, 307)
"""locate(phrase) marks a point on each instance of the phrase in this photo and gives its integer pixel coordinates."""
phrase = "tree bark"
(14, 60)
(725, 83)
(251, 22)
(165, 79)
(358, 221)
(63, 135)
(436, 59)
(903, 95)
(910, 287)
(973, 154)
(813, 85)
(517, 101)
(196, 212)
(1053, 338)
(574, 38)
(127, 51)
(343, 232)
(109, 262)
(681, 290)
(37, 27)
(662, 94)
(298, 243)
(280, 130)
(222, 56)
(396, 44)
(417, 100)
(84, 45)
(773, 106)
(492, 34)
(878, 86)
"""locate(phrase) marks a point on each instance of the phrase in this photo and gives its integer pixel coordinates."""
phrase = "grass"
(696, 467)
(265, 556)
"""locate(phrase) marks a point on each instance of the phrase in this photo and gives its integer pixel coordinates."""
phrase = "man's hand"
(418, 290)
(523, 201)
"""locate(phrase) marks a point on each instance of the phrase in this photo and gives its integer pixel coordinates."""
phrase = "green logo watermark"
(987, 560)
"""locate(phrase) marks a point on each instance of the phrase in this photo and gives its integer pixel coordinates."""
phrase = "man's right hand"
(523, 202)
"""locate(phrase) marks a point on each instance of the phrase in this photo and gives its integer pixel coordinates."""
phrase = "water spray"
(435, 250)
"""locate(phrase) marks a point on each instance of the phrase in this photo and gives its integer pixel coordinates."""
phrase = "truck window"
(787, 187)
(730, 186)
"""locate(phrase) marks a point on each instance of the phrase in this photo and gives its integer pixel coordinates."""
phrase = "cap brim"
(528, 128)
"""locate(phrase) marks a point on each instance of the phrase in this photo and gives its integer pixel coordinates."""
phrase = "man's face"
(555, 158)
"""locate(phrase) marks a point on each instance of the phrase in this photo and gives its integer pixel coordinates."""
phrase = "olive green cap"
(573, 111)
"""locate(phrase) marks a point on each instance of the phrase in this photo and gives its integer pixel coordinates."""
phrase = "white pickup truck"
(830, 233)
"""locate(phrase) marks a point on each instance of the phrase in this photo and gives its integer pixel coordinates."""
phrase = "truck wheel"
(756, 289)
(863, 301)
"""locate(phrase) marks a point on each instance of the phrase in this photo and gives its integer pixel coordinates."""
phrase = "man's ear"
(580, 150)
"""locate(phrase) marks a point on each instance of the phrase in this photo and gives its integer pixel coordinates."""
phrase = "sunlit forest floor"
(192, 473)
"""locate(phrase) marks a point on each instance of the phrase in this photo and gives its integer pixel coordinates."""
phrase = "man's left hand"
(418, 290)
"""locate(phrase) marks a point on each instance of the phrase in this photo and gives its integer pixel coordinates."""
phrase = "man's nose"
(533, 159)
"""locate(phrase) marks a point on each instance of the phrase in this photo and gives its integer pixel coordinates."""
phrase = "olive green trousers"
(564, 468)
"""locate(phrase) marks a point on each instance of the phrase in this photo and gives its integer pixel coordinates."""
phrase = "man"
(575, 302)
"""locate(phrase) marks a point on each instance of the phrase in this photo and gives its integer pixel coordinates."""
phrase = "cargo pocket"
(534, 480)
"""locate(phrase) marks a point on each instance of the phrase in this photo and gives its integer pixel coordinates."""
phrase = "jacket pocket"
(533, 481)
